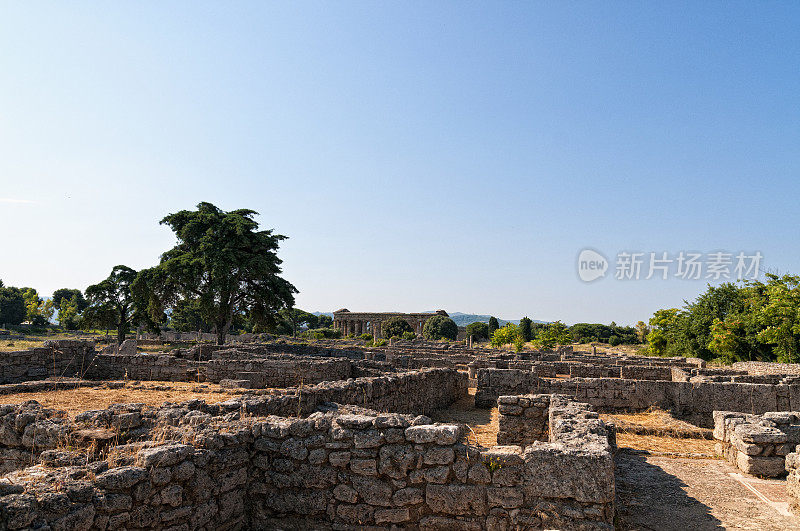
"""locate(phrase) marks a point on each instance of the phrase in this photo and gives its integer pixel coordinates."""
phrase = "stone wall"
(336, 469)
(523, 419)
(756, 444)
(164, 367)
(263, 373)
(761, 367)
(694, 401)
(793, 480)
(410, 392)
(278, 371)
(62, 357)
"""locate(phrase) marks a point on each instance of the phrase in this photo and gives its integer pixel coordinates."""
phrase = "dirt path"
(663, 493)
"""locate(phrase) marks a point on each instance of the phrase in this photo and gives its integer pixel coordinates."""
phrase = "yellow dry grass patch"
(657, 422)
(666, 445)
(657, 431)
(483, 423)
(10, 345)
(75, 401)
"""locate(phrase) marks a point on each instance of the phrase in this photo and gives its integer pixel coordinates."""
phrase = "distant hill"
(462, 319)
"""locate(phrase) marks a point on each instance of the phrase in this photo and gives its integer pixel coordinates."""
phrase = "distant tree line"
(547, 335)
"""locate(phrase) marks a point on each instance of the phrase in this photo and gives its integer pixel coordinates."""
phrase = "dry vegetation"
(75, 401)
(10, 345)
(656, 444)
(656, 431)
(483, 423)
(605, 348)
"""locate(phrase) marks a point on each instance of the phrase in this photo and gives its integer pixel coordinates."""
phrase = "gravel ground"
(663, 493)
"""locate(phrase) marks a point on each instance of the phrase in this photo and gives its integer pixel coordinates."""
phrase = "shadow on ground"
(650, 498)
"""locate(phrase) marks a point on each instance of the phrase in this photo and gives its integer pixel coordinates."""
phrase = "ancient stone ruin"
(337, 435)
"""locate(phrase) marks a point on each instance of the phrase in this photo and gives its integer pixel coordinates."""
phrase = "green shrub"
(409, 336)
(479, 331)
(322, 333)
(509, 334)
(377, 343)
(614, 341)
(395, 326)
(553, 334)
(365, 337)
(440, 327)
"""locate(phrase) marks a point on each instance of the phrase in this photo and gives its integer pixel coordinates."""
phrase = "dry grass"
(75, 401)
(604, 348)
(666, 445)
(10, 345)
(167, 346)
(656, 422)
(656, 431)
(483, 423)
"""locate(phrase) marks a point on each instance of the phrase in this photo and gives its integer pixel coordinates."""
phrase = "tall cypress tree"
(493, 325)
(525, 328)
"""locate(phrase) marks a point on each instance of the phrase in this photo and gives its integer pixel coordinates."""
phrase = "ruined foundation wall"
(695, 401)
(162, 367)
(330, 469)
(63, 357)
(263, 373)
(793, 480)
(756, 444)
(761, 367)
(411, 392)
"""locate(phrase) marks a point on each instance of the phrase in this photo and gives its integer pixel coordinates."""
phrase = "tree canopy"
(754, 320)
(223, 262)
(493, 325)
(12, 305)
(525, 328)
(395, 326)
(67, 293)
(110, 301)
(478, 330)
(440, 327)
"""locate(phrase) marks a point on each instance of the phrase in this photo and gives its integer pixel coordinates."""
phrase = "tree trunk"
(222, 331)
(120, 334)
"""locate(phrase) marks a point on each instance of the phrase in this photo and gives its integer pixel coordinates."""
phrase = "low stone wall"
(756, 444)
(643, 372)
(420, 391)
(282, 371)
(263, 373)
(162, 367)
(523, 419)
(334, 469)
(793, 480)
(585, 370)
(761, 367)
(694, 401)
(62, 357)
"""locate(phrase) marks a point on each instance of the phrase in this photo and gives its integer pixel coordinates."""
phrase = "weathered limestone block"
(456, 499)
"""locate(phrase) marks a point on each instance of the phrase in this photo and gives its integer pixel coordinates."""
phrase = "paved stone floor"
(664, 493)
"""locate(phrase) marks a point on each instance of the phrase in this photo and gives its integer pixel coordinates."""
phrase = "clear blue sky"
(419, 155)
